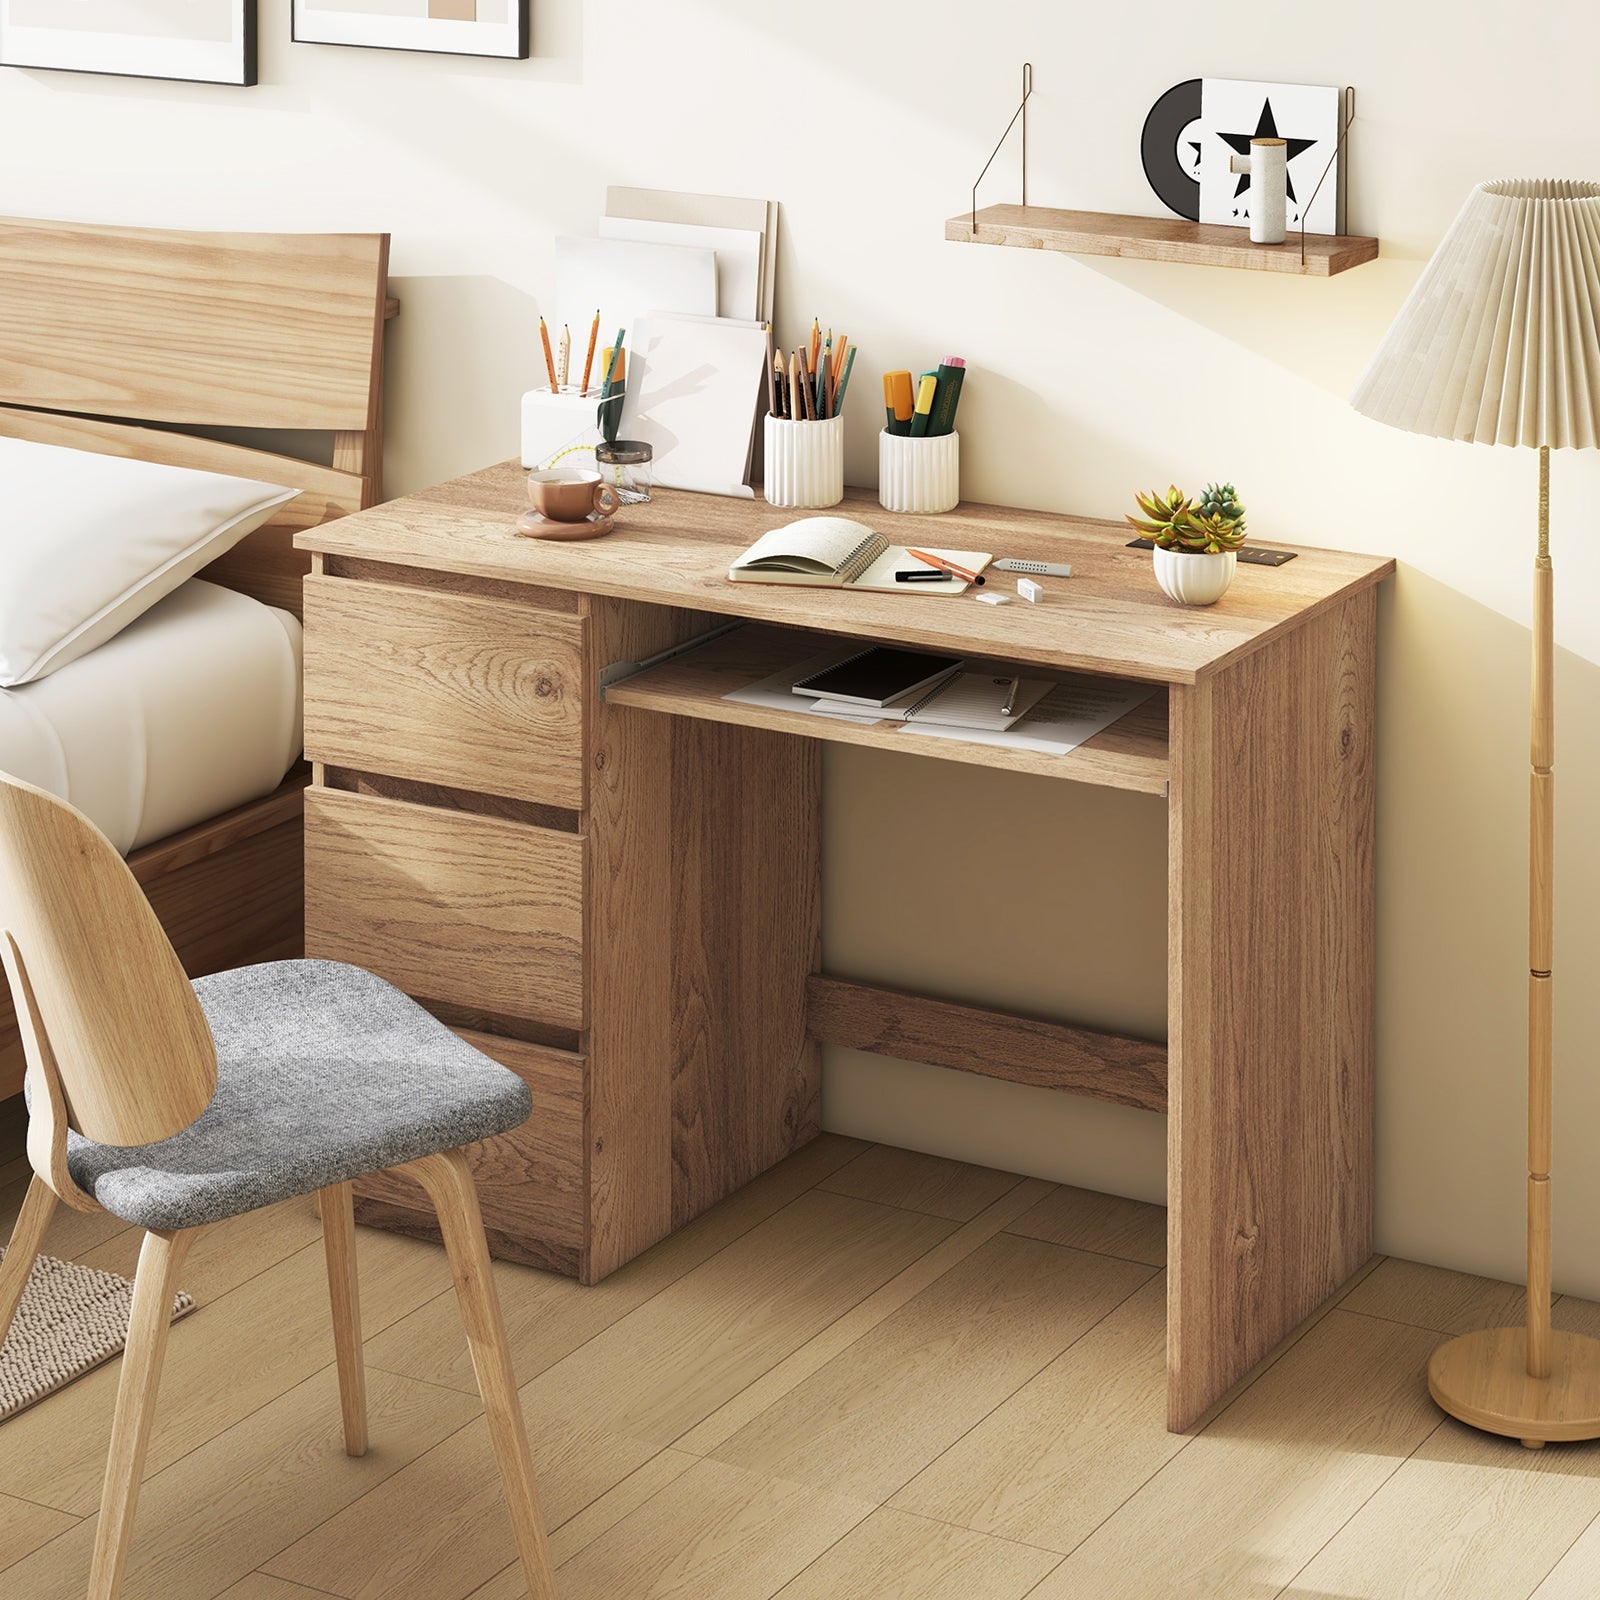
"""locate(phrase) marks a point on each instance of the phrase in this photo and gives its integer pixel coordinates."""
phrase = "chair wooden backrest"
(111, 1027)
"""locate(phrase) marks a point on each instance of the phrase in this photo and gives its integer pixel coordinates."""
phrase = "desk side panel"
(704, 912)
(1271, 996)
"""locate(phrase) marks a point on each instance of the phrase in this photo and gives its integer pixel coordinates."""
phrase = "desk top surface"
(1108, 617)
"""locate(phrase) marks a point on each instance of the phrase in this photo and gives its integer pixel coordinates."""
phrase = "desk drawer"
(456, 689)
(530, 1181)
(448, 905)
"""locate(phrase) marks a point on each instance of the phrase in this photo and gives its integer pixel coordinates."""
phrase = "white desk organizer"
(918, 474)
(804, 462)
(551, 422)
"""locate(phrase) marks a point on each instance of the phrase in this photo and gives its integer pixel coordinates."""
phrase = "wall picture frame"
(190, 41)
(496, 28)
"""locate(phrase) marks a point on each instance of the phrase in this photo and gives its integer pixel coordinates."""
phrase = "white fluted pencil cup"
(804, 462)
(918, 474)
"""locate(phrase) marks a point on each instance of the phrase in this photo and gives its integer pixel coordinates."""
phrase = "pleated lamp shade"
(1499, 342)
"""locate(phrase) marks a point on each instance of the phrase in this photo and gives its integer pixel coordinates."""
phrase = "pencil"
(806, 411)
(816, 341)
(948, 565)
(588, 360)
(549, 360)
(825, 386)
(780, 375)
(564, 364)
(844, 381)
(794, 389)
(772, 385)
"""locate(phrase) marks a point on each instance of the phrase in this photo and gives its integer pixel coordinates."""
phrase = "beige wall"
(1089, 378)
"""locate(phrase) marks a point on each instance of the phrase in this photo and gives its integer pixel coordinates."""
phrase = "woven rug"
(72, 1319)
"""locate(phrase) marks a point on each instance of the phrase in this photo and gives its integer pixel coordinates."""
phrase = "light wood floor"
(870, 1375)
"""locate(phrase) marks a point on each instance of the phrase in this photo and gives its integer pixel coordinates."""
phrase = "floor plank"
(437, 1529)
(715, 1533)
(680, 1355)
(1058, 1458)
(1239, 1511)
(1576, 1576)
(1468, 1516)
(920, 1183)
(893, 1556)
(548, 1316)
(1431, 1297)
(879, 1412)
(25, 1526)
(70, 1234)
(227, 1360)
(258, 1586)
(214, 1516)
(1105, 1223)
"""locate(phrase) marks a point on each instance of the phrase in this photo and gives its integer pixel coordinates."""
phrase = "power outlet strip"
(1251, 554)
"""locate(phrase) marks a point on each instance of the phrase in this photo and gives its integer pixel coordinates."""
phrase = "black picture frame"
(247, 54)
(520, 18)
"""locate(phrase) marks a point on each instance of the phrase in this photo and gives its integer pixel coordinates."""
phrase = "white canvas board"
(200, 40)
(738, 252)
(626, 279)
(708, 211)
(1076, 709)
(1232, 111)
(694, 389)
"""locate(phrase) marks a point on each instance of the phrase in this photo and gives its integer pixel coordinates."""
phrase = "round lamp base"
(1482, 1378)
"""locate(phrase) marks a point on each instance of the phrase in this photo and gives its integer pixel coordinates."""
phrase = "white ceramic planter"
(1191, 579)
(804, 462)
(921, 475)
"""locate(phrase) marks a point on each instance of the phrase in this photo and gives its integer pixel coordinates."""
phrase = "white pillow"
(89, 542)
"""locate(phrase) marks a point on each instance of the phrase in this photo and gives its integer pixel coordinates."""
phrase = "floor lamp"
(1499, 343)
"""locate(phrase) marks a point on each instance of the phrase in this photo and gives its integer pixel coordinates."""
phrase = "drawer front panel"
(448, 905)
(530, 1181)
(455, 689)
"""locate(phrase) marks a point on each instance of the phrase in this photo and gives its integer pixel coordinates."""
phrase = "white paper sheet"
(694, 388)
(776, 692)
(1075, 710)
(738, 252)
(708, 211)
(626, 279)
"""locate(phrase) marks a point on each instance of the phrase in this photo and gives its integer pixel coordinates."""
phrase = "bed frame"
(116, 340)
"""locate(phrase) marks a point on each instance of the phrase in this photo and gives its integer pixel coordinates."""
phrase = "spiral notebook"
(840, 553)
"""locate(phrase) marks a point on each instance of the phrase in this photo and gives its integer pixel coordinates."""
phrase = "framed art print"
(203, 41)
(454, 27)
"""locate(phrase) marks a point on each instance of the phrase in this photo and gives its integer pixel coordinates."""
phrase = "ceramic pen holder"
(918, 474)
(804, 462)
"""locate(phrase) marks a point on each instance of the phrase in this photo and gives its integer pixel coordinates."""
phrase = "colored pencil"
(549, 360)
(794, 389)
(825, 386)
(814, 347)
(588, 360)
(844, 382)
(564, 360)
(772, 386)
(947, 564)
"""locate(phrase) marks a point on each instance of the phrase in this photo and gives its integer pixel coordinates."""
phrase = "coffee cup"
(569, 494)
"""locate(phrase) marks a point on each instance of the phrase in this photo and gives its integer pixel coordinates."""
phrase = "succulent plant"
(1165, 511)
(1172, 521)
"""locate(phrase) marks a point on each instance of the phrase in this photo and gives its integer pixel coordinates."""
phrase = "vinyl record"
(1170, 148)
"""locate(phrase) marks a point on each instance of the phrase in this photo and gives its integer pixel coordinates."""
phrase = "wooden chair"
(174, 1105)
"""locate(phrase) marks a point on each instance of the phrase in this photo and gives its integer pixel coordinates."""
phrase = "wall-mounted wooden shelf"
(1203, 244)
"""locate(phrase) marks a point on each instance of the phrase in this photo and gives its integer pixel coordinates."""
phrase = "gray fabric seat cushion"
(324, 1073)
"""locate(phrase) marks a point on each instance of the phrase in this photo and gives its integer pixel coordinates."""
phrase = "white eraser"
(1029, 590)
(995, 599)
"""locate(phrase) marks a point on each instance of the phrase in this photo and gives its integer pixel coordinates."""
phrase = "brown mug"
(569, 494)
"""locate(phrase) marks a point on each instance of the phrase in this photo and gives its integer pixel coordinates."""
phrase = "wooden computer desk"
(609, 877)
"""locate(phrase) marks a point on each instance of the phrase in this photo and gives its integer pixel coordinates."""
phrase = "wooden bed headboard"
(106, 328)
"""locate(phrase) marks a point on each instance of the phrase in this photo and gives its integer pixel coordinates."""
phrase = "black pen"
(923, 575)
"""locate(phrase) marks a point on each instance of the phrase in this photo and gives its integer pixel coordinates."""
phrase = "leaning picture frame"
(497, 28)
(191, 41)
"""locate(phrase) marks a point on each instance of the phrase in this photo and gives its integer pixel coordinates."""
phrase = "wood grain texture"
(1270, 956)
(252, 330)
(1108, 1224)
(448, 904)
(126, 1040)
(993, 1044)
(344, 1301)
(446, 688)
(1109, 617)
(286, 803)
(918, 1182)
(1200, 244)
(704, 922)
(1130, 754)
(530, 1181)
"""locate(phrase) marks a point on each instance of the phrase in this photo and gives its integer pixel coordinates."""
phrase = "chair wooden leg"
(38, 1206)
(153, 1290)
(448, 1180)
(344, 1294)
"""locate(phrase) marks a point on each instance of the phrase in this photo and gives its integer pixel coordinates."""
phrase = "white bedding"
(188, 712)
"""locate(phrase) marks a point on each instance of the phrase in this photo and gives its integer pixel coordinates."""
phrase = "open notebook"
(839, 553)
